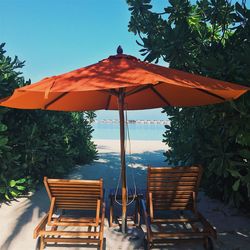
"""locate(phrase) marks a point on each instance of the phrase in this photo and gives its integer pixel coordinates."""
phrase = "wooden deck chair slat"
(178, 171)
(155, 182)
(76, 203)
(62, 205)
(72, 240)
(173, 185)
(83, 200)
(177, 188)
(173, 175)
(84, 182)
(76, 189)
(72, 193)
(171, 207)
(172, 198)
(174, 182)
(74, 207)
(80, 191)
(77, 198)
(181, 234)
(175, 169)
(80, 219)
(74, 224)
(73, 183)
(80, 204)
(171, 192)
(85, 197)
(176, 220)
(169, 203)
(68, 233)
(161, 178)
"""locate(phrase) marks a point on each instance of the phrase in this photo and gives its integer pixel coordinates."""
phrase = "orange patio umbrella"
(122, 82)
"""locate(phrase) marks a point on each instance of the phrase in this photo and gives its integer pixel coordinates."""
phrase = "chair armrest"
(207, 225)
(40, 226)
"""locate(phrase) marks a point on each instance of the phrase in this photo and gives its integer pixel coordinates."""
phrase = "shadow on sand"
(29, 211)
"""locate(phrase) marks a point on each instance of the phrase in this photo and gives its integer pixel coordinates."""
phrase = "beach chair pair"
(170, 210)
(60, 225)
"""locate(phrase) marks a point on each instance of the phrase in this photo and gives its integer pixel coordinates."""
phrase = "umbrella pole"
(123, 163)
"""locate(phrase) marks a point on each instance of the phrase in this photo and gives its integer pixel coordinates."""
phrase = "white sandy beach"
(19, 218)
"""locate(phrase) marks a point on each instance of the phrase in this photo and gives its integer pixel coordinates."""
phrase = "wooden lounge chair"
(171, 213)
(68, 196)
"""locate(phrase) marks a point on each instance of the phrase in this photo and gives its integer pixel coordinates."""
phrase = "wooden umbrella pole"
(123, 162)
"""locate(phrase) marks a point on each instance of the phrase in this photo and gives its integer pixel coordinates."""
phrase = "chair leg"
(111, 212)
(137, 212)
(42, 243)
(101, 244)
(148, 246)
(208, 243)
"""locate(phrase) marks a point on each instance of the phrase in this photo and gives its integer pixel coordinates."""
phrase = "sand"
(18, 219)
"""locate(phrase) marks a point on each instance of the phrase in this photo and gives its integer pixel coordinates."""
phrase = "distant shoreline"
(116, 121)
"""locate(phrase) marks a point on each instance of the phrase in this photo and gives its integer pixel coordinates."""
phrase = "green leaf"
(236, 185)
(14, 193)
(3, 127)
(20, 181)
(12, 183)
(21, 188)
(7, 196)
(245, 153)
(234, 173)
(2, 190)
(248, 189)
(3, 141)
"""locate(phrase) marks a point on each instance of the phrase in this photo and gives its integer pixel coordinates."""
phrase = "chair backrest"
(173, 188)
(75, 194)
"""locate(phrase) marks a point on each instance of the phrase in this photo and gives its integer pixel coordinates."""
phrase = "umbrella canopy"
(122, 82)
(144, 85)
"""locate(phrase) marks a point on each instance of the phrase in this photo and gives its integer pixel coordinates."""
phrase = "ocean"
(111, 131)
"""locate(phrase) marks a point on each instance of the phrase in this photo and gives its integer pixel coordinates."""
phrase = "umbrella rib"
(210, 93)
(137, 89)
(54, 100)
(108, 101)
(160, 96)
(110, 91)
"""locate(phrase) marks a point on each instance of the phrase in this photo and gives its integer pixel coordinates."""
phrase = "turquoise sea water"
(137, 131)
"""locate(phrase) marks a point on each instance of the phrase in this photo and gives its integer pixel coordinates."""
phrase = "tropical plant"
(36, 143)
(211, 38)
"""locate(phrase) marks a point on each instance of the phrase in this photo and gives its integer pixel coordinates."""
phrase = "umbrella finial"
(119, 50)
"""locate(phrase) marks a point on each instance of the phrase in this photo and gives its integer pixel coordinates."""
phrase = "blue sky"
(56, 36)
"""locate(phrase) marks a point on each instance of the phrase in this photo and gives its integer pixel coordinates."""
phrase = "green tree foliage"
(211, 38)
(37, 143)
